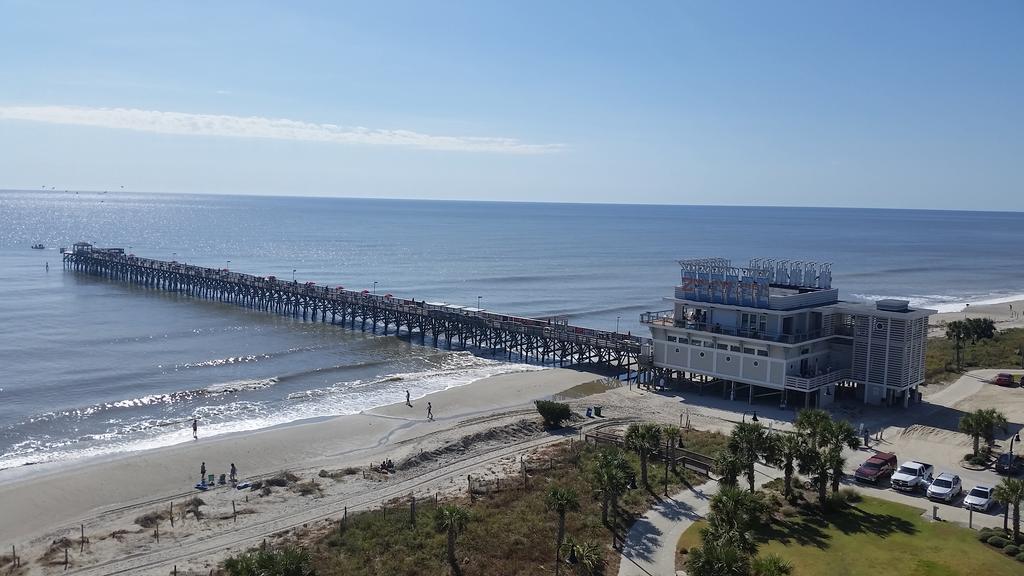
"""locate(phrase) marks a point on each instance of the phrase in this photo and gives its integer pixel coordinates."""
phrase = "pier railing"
(544, 339)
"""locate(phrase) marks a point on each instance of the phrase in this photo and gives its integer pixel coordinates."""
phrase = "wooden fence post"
(81, 541)
(412, 509)
(234, 512)
(157, 532)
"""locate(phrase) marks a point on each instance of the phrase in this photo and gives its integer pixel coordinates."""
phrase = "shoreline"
(1004, 312)
(45, 500)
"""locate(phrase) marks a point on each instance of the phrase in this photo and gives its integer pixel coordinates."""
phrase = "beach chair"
(212, 480)
(223, 479)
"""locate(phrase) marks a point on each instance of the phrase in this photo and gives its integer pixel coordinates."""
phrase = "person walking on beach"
(195, 428)
(430, 412)
(202, 473)
(234, 473)
(407, 402)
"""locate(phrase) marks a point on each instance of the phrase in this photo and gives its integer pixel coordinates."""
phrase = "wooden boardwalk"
(545, 341)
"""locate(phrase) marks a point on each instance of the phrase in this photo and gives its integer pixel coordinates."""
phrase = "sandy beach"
(1005, 314)
(106, 495)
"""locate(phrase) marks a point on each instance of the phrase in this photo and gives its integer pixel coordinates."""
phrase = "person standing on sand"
(202, 473)
(234, 473)
(195, 429)
(430, 412)
(407, 402)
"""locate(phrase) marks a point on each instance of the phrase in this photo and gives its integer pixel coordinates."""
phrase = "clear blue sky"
(888, 104)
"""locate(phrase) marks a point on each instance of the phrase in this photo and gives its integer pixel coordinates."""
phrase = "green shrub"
(850, 495)
(1011, 550)
(290, 561)
(1020, 557)
(984, 534)
(998, 541)
(553, 413)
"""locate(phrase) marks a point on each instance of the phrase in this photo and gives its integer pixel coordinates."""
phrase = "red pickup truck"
(876, 468)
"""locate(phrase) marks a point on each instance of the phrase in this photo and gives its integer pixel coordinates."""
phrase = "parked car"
(945, 487)
(912, 476)
(1003, 379)
(1008, 463)
(877, 468)
(979, 498)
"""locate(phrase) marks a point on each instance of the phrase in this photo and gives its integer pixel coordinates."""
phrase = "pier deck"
(546, 341)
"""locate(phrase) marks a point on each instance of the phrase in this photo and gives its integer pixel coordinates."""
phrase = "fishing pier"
(550, 341)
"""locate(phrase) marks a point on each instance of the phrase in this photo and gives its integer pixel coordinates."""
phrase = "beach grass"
(1002, 351)
(510, 531)
(872, 537)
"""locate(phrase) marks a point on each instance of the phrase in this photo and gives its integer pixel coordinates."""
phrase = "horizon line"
(498, 201)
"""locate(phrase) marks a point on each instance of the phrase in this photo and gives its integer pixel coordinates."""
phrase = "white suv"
(945, 487)
(979, 498)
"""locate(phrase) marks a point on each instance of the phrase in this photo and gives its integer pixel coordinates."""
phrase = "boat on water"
(38, 247)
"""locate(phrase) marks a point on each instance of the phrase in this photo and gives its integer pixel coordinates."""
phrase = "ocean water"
(91, 367)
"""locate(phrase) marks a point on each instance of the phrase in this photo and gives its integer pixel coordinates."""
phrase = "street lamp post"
(752, 418)
(293, 275)
(374, 287)
(478, 298)
(227, 265)
(1015, 437)
(617, 318)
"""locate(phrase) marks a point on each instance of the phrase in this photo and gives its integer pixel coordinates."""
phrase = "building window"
(748, 351)
(723, 346)
(709, 344)
(672, 339)
(734, 348)
(695, 342)
(762, 352)
(677, 350)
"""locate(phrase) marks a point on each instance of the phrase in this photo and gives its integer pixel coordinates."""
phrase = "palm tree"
(973, 424)
(982, 423)
(770, 565)
(609, 477)
(452, 519)
(995, 420)
(587, 558)
(644, 439)
(1010, 492)
(716, 559)
(732, 516)
(788, 448)
(956, 331)
(728, 467)
(838, 434)
(672, 434)
(561, 500)
(812, 423)
(749, 441)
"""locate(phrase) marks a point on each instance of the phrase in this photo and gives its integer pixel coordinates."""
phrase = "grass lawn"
(875, 538)
(509, 533)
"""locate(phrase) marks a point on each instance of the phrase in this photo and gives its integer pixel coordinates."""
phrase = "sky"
(914, 104)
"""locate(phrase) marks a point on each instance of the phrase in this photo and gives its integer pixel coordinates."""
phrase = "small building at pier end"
(777, 328)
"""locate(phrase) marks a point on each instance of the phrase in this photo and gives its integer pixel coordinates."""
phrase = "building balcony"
(666, 318)
(815, 382)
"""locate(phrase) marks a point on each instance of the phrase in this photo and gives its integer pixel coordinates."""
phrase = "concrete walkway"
(650, 548)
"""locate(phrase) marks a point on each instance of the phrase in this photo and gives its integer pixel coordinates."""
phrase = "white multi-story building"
(778, 328)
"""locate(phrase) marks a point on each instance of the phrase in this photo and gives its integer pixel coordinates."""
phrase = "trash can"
(597, 411)
(589, 412)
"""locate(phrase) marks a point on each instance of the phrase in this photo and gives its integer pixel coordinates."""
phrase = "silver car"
(979, 498)
(945, 487)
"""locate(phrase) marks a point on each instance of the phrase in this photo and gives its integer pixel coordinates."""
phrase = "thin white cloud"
(182, 123)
